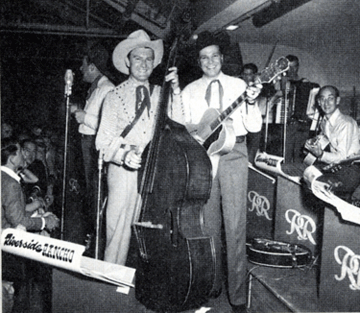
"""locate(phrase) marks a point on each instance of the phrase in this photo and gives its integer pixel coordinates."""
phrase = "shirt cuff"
(119, 157)
(43, 223)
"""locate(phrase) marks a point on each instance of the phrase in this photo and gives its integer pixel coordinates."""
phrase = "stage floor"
(270, 290)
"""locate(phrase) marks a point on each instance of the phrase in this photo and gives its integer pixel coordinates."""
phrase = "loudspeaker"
(340, 265)
(299, 215)
(260, 205)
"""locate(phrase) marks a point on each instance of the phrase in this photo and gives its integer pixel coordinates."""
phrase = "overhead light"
(232, 27)
(235, 24)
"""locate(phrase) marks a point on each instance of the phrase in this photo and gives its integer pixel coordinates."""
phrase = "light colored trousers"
(227, 206)
(122, 195)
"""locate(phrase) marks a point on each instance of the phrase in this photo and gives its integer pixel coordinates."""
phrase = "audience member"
(31, 177)
(51, 152)
(36, 130)
(28, 150)
(6, 130)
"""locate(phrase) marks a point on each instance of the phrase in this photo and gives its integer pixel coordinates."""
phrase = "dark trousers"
(343, 179)
(90, 159)
(253, 144)
(296, 135)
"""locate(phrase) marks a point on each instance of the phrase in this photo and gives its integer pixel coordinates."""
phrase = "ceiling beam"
(35, 28)
(62, 8)
(151, 27)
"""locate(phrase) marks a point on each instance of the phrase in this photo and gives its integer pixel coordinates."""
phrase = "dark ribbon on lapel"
(142, 99)
(208, 93)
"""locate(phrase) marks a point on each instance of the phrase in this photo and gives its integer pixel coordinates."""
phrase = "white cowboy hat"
(137, 39)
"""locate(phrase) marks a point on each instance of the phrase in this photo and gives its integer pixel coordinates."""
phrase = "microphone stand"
(98, 206)
(266, 124)
(68, 86)
(286, 107)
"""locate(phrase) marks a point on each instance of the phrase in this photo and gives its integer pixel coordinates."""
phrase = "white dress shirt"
(246, 118)
(343, 134)
(93, 106)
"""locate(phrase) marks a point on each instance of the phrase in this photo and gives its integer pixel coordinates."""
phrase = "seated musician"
(341, 132)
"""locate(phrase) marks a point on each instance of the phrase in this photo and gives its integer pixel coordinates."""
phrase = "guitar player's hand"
(313, 148)
(253, 91)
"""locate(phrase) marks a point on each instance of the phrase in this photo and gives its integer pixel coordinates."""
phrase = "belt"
(84, 135)
(240, 139)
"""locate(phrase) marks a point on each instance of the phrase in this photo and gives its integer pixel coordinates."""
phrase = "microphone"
(69, 78)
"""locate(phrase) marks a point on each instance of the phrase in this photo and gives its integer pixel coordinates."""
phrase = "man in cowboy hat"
(134, 102)
(93, 69)
(227, 202)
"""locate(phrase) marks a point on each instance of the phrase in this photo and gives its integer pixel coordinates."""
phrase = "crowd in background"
(31, 165)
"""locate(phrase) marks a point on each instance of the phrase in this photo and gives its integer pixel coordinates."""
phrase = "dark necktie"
(142, 99)
(208, 93)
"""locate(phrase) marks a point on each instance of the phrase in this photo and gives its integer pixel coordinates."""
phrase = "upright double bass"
(176, 264)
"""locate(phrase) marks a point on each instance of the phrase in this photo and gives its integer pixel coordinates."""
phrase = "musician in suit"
(93, 68)
(227, 203)
(136, 56)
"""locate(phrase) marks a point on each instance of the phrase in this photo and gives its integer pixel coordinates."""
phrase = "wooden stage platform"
(270, 290)
(296, 216)
(326, 287)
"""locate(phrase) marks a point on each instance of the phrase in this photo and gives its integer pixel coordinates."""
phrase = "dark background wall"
(32, 76)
